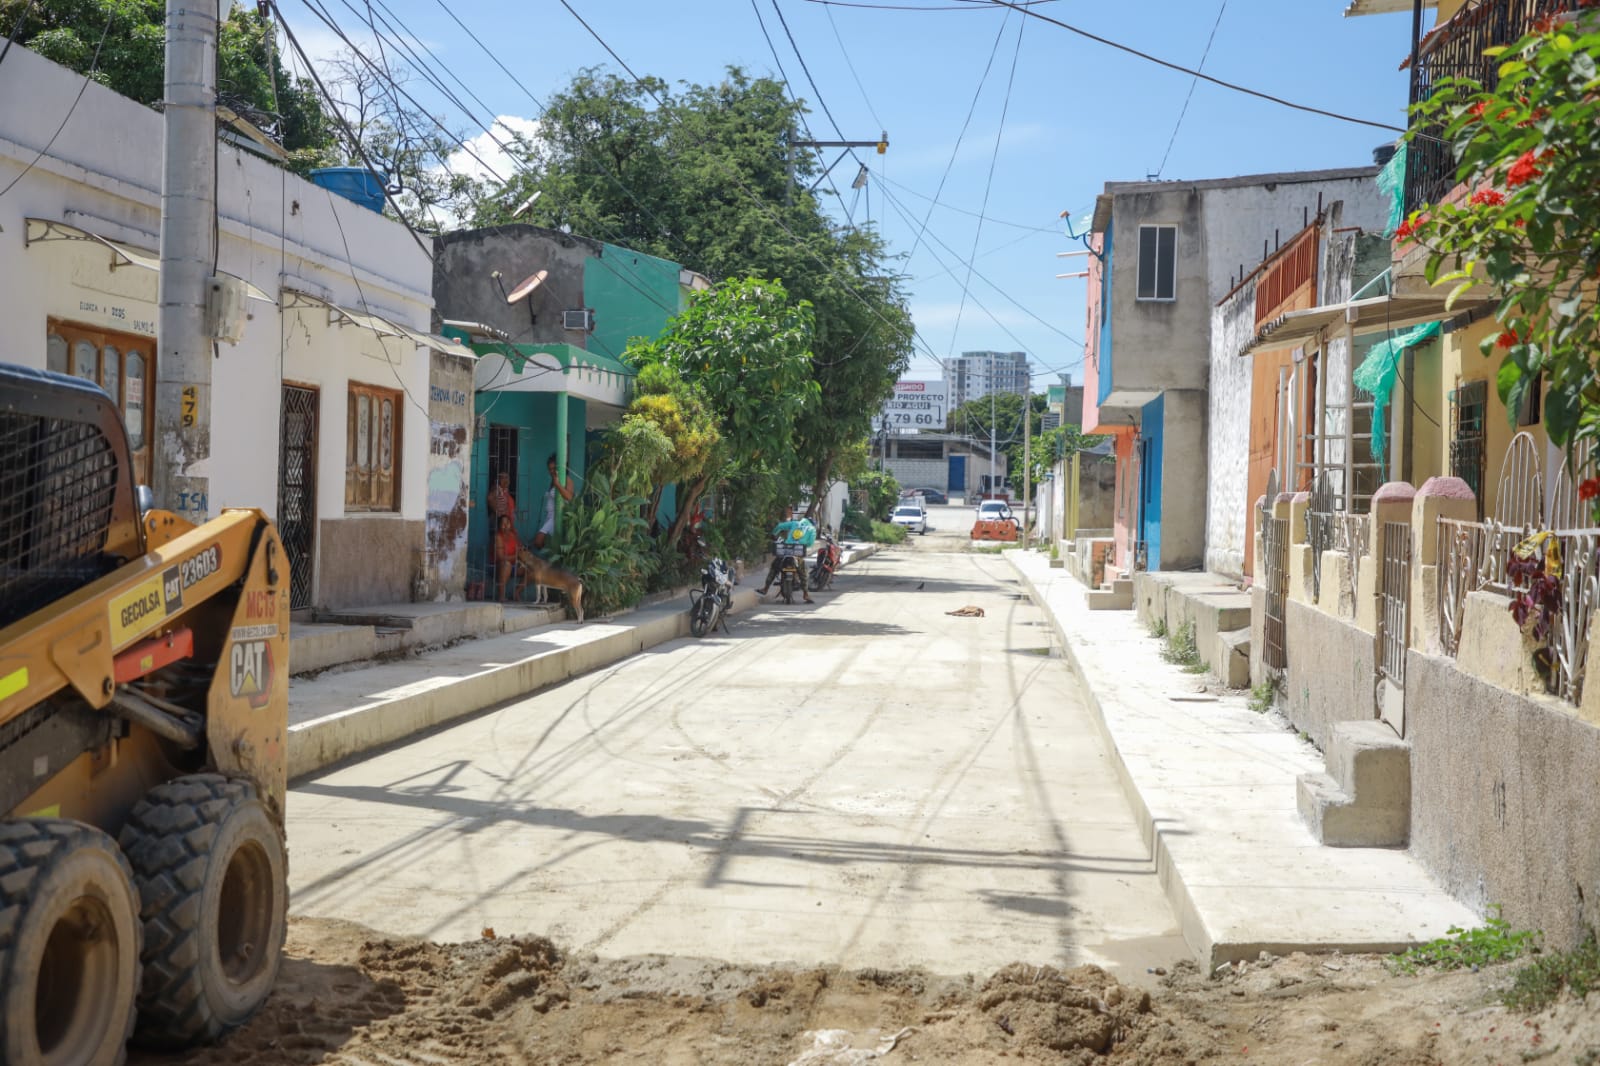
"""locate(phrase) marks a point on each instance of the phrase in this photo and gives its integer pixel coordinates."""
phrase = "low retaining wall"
(1504, 808)
(1330, 674)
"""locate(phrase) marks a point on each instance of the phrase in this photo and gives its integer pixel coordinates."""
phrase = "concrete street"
(866, 782)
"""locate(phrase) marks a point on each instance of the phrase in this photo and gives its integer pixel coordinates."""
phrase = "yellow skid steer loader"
(143, 717)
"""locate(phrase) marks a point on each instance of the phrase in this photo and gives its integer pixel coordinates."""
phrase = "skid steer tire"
(69, 945)
(209, 863)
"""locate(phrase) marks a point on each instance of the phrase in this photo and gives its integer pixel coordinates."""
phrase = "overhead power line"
(737, 179)
(988, 184)
(1176, 126)
(1234, 86)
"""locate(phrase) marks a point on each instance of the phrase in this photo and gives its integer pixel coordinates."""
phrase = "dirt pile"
(350, 998)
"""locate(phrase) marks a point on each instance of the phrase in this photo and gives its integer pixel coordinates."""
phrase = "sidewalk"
(1212, 784)
(345, 712)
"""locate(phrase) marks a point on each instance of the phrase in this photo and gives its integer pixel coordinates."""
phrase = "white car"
(912, 516)
(995, 511)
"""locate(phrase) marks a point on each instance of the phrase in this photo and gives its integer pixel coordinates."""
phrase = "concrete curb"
(1193, 925)
(1360, 900)
(322, 742)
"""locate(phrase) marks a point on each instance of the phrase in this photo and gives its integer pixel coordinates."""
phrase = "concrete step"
(1364, 800)
(1230, 659)
(1119, 597)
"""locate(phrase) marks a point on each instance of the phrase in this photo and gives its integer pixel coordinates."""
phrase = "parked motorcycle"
(826, 563)
(710, 603)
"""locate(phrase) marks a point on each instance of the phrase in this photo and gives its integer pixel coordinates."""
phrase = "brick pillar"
(1301, 587)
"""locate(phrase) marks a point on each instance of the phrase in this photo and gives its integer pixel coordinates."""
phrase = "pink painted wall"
(1091, 340)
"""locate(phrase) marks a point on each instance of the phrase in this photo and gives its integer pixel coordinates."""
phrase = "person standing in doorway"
(505, 555)
(547, 525)
(501, 503)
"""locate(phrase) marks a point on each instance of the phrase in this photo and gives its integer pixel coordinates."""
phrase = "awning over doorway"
(1375, 314)
(383, 327)
(41, 230)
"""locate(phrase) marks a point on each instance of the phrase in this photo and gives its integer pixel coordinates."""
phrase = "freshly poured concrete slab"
(1214, 786)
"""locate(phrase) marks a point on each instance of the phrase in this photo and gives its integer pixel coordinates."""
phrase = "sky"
(992, 113)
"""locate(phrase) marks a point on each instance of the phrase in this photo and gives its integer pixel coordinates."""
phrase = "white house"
(322, 414)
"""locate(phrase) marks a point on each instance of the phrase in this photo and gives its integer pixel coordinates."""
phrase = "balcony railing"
(1455, 50)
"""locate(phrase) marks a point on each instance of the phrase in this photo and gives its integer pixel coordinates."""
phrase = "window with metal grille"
(1158, 262)
(372, 449)
(1469, 410)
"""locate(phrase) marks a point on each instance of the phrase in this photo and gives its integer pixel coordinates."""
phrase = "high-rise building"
(975, 374)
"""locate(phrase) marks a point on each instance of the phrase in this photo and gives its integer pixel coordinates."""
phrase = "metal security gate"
(1394, 623)
(297, 489)
(1275, 563)
(1320, 521)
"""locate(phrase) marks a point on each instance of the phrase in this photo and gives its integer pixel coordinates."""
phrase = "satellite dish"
(527, 285)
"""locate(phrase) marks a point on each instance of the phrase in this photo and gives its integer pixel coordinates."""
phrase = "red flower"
(1544, 25)
(1508, 339)
(1589, 488)
(1520, 223)
(1477, 110)
(1522, 171)
(1547, 155)
(1411, 227)
(1488, 197)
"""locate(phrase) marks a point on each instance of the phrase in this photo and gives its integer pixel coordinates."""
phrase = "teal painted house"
(549, 316)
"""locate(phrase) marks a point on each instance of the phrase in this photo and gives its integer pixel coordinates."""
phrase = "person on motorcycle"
(790, 539)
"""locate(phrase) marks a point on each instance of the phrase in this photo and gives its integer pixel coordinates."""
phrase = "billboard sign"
(915, 405)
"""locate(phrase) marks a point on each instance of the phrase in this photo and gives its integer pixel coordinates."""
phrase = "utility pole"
(1027, 458)
(993, 446)
(881, 145)
(188, 235)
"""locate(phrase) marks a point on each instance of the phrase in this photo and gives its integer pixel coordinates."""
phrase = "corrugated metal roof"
(1377, 314)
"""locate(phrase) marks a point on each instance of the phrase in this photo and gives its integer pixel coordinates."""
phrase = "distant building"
(975, 374)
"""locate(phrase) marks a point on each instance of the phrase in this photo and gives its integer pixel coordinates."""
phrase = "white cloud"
(495, 165)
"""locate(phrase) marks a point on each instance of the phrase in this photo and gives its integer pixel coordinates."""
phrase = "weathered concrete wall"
(365, 561)
(1330, 674)
(1503, 803)
(1233, 324)
(464, 286)
(1097, 491)
(1183, 481)
(449, 473)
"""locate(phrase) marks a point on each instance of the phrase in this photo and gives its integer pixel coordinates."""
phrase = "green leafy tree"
(1528, 226)
(251, 76)
(670, 410)
(700, 175)
(744, 346)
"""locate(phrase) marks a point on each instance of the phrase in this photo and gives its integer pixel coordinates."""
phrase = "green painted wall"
(633, 295)
(534, 416)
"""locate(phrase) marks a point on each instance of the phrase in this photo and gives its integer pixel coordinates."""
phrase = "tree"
(744, 346)
(123, 43)
(410, 147)
(1528, 153)
(667, 435)
(700, 175)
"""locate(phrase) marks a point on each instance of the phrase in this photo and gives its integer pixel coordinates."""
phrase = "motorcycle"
(710, 603)
(791, 577)
(826, 563)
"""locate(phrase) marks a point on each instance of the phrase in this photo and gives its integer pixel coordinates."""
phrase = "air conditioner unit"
(581, 320)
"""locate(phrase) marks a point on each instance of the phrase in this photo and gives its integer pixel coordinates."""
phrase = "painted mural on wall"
(449, 466)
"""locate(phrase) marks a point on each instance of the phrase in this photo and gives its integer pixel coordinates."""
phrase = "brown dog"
(532, 570)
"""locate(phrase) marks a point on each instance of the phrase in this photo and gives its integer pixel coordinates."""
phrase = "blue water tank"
(353, 183)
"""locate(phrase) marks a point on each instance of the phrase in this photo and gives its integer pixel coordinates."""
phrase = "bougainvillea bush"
(1528, 222)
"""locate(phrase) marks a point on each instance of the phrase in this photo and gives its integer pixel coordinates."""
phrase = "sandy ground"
(351, 997)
